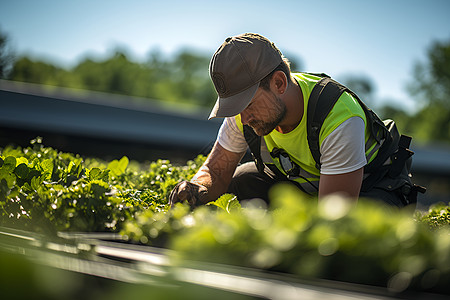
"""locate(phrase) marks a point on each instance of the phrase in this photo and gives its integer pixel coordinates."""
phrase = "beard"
(263, 128)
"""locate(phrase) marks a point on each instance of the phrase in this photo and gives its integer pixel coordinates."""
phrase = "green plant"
(47, 190)
(42, 189)
(368, 243)
(437, 216)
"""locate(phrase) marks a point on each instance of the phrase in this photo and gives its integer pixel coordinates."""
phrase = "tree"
(363, 86)
(182, 78)
(402, 119)
(431, 88)
(27, 70)
(191, 78)
(6, 56)
(116, 74)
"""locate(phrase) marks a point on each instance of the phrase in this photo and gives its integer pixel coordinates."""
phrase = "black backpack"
(395, 146)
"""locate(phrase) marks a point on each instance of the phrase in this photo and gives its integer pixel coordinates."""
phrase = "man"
(256, 88)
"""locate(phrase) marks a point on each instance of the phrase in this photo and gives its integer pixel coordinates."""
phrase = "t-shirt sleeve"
(343, 150)
(230, 137)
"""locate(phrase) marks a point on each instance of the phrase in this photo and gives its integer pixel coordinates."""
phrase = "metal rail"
(95, 255)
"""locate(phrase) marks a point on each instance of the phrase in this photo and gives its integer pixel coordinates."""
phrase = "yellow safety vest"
(295, 142)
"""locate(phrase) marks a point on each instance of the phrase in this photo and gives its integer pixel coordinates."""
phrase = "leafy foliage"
(180, 79)
(437, 216)
(227, 202)
(6, 55)
(430, 87)
(368, 243)
(46, 190)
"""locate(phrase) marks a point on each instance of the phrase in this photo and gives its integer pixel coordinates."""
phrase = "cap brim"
(233, 105)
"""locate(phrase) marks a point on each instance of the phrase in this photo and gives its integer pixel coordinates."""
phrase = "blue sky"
(380, 39)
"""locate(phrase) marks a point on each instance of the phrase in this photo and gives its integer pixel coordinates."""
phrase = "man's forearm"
(216, 172)
(214, 185)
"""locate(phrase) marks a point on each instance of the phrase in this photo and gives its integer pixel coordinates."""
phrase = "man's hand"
(193, 193)
(210, 181)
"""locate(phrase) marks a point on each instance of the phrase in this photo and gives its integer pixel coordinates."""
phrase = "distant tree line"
(184, 78)
(181, 78)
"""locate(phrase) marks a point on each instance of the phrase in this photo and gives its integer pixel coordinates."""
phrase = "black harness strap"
(254, 143)
(328, 91)
(323, 97)
(401, 156)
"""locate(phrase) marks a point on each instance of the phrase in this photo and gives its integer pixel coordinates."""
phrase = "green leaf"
(71, 165)
(104, 175)
(99, 188)
(94, 173)
(36, 182)
(118, 167)
(22, 171)
(47, 166)
(4, 189)
(21, 160)
(227, 202)
(8, 177)
(114, 167)
(221, 202)
(233, 205)
(123, 163)
(9, 164)
(75, 167)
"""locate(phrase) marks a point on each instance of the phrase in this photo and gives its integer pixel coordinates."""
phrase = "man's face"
(264, 113)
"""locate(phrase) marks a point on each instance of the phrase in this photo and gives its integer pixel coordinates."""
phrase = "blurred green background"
(184, 78)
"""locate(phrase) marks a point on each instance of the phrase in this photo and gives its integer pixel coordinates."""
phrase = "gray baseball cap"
(236, 70)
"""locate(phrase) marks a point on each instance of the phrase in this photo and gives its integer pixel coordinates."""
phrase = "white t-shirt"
(342, 151)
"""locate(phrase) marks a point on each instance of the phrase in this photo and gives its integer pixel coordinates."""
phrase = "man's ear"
(279, 82)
